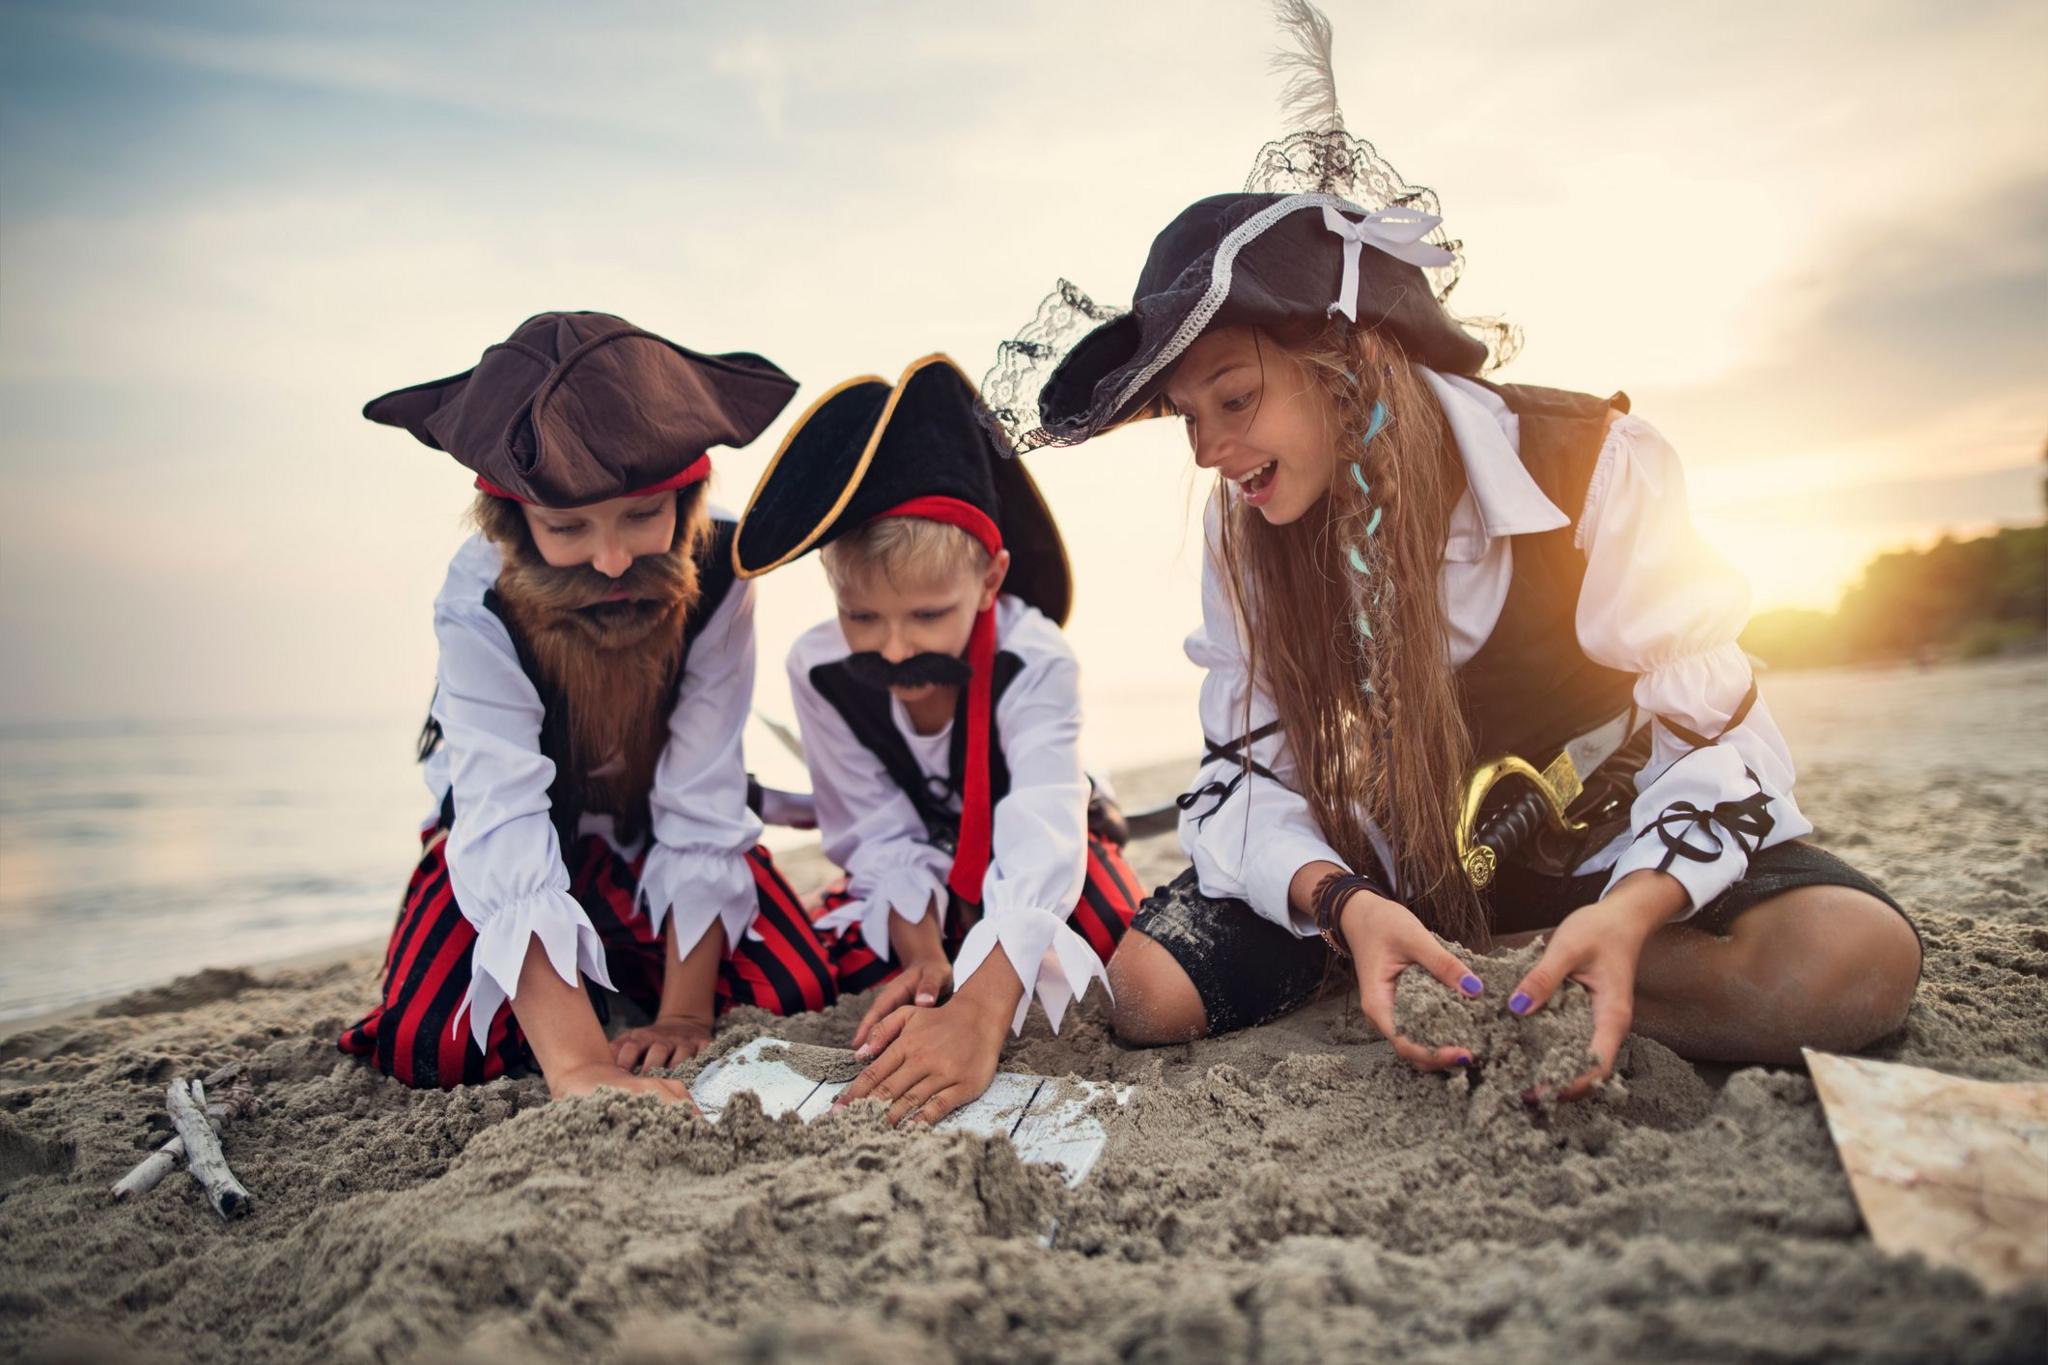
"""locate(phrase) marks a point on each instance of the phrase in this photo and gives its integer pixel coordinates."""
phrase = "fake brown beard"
(607, 668)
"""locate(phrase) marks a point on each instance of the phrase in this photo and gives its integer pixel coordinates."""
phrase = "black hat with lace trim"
(1323, 227)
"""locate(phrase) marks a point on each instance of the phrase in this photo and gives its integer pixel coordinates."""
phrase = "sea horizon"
(135, 849)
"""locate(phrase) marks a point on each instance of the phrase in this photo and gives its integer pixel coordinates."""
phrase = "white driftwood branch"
(203, 1157)
(150, 1171)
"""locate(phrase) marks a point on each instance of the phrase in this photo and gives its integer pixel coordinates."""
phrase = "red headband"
(696, 471)
(977, 809)
(953, 512)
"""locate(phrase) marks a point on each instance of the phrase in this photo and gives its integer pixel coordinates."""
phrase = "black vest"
(1531, 688)
(714, 580)
(866, 712)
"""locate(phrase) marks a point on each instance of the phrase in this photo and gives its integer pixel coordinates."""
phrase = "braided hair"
(1345, 627)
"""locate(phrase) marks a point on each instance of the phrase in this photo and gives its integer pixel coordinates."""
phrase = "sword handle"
(1514, 825)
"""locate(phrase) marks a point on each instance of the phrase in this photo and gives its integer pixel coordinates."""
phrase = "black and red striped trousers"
(412, 1034)
(1109, 898)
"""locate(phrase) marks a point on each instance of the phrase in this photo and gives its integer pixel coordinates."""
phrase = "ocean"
(133, 853)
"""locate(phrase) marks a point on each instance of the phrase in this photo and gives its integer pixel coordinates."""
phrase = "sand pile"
(1512, 1055)
(1293, 1192)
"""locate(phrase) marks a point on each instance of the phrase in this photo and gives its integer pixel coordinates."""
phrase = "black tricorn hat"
(868, 446)
(1265, 260)
(576, 408)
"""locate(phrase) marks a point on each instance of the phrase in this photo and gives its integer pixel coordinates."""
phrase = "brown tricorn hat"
(575, 408)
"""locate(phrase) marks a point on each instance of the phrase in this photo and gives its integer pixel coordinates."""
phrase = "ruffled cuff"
(566, 935)
(1054, 963)
(907, 883)
(701, 885)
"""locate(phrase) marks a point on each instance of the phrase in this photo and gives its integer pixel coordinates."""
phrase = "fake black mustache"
(872, 670)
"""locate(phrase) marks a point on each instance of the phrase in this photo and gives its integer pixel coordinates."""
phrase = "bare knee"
(1852, 960)
(1155, 1001)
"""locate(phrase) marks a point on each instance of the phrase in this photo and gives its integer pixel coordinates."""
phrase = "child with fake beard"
(941, 722)
(591, 827)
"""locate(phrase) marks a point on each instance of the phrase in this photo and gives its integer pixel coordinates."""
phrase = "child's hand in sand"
(596, 1076)
(925, 974)
(663, 1043)
(1385, 939)
(935, 1060)
(1598, 946)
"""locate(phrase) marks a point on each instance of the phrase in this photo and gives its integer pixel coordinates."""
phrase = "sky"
(1810, 240)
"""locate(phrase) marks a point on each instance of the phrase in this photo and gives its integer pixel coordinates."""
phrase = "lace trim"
(1025, 363)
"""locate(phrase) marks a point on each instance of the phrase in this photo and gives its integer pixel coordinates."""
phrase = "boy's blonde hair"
(907, 550)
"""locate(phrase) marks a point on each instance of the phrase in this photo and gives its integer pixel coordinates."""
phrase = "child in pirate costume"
(941, 723)
(583, 748)
(1470, 669)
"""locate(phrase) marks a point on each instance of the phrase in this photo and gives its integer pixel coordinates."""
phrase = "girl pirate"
(596, 666)
(941, 720)
(1418, 581)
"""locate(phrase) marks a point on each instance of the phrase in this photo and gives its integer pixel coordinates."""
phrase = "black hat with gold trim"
(868, 449)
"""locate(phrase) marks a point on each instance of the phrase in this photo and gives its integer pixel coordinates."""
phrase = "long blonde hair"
(1345, 628)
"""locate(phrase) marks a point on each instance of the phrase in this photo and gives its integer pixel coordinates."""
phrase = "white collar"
(1501, 498)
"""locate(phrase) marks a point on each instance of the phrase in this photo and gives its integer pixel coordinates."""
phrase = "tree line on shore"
(1956, 599)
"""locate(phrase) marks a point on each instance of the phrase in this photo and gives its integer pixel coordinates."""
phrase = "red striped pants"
(1109, 898)
(412, 1034)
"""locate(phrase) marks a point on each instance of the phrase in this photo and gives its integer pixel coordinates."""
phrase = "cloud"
(1910, 345)
(332, 202)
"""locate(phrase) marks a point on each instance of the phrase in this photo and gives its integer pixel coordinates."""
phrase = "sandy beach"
(1289, 1193)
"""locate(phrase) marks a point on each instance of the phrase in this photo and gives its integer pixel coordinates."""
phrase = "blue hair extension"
(1364, 626)
(1378, 423)
(1358, 477)
(1372, 523)
(1357, 558)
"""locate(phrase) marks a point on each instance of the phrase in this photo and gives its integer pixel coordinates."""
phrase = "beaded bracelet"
(1328, 903)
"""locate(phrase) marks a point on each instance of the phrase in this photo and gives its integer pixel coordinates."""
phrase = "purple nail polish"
(1471, 985)
(1520, 1003)
(1464, 1059)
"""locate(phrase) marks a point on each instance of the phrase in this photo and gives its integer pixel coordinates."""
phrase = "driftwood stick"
(204, 1160)
(150, 1171)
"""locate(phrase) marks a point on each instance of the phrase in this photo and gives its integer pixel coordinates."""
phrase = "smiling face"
(1256, 415)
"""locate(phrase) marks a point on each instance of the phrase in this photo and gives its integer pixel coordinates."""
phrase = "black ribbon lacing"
(1694, 739)
(1747, 821)
(1238, 751)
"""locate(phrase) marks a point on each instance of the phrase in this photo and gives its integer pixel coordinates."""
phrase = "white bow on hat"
(1396, 231)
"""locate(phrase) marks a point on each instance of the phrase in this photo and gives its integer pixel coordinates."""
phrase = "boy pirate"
(583, 748)
(941, 723)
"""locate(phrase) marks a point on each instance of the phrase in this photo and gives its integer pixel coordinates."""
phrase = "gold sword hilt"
(1558, 784)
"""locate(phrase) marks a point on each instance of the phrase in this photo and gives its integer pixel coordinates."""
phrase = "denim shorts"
(1248, 969)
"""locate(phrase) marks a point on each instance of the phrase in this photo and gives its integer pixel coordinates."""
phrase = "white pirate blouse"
(504, 854)
(1655, 602)
(896, 851)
